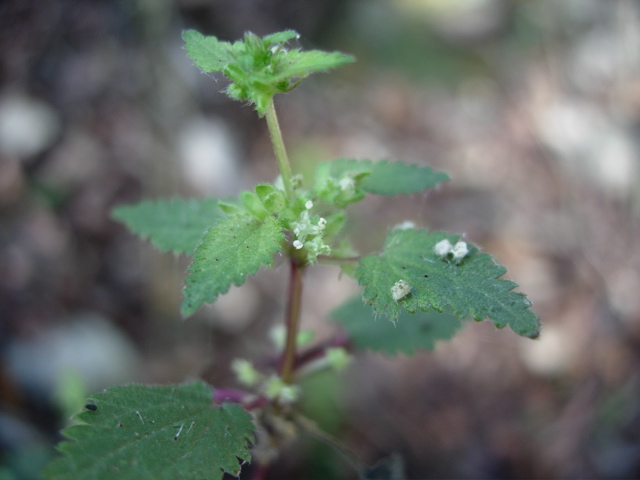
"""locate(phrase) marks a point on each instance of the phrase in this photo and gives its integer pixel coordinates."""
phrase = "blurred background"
(532, 107)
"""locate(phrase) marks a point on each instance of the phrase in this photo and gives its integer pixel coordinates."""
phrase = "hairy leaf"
(470, 288)
(412, 332)
(207, 53)
(280, 37)
(171, 225)
(258, 67)
(388, 178)
(299, 64)
(232, 249)
(139, 432)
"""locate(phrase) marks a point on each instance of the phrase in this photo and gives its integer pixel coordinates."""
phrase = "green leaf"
(470, 288)
(299, 64)
(253, 204)
(232, 249)
(412, 332)
(207, 53)
(170, 225)
(258, 67)
(139, 432)
(280, 37)
(388, 178)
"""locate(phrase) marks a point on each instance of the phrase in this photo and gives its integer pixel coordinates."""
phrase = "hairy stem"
(278, 148)
(292, 321)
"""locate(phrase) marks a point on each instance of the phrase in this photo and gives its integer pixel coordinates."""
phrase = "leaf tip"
(534, 333)
(190, 34)
(187, 309)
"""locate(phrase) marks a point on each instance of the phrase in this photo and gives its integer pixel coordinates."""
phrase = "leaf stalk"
(279, 149)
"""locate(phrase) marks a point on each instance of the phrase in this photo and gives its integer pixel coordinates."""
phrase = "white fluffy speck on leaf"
(443, 248)
(400, 290)
(460, 250)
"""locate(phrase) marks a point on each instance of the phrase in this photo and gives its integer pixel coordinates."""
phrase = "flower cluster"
(309, 233)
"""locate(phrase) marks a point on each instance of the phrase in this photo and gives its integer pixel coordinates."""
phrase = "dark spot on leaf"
(91, 406)
(120, 424)
(426, 276)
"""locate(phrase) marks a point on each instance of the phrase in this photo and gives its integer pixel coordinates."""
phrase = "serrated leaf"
(471, 288)
(388, 178)
(171, 225)
(280, 37)
(299, 64)
(411, 332)
(232, 249)
(207, 52)
(139, 432)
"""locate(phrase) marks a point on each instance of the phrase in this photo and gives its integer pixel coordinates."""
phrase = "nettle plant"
(426, 283)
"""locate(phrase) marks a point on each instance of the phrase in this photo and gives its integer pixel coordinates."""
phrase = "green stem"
(279, 150)
(292, 321)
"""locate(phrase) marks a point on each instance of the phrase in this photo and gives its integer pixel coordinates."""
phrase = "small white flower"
(460, 250)
(309, 234)
(443, 248)
(400, 290)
